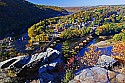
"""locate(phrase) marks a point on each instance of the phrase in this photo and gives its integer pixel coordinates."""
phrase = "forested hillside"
(17, 15)
(108, 20)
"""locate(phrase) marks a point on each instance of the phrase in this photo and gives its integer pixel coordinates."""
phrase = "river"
(105, 50)
(20, 46)
(21, 42)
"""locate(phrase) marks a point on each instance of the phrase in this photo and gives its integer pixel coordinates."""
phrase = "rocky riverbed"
(105, 43)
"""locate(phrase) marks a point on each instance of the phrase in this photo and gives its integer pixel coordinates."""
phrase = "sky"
(77, 3)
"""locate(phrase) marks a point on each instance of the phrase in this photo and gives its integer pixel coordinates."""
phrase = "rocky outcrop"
(106, 61)
(49, 72)
(44, 66)
(98, 75)
(120, 78)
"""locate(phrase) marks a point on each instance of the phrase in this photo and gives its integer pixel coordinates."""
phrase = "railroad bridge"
(75, 47)
(45, 46)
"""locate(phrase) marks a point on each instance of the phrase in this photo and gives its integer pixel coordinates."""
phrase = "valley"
(50, 44)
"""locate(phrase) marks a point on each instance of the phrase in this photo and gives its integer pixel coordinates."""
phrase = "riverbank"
(105, 43)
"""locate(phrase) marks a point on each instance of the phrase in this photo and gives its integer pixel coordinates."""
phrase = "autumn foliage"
(119, 51)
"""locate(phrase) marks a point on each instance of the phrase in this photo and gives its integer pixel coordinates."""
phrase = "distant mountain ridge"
(18, 15)
(72, 9)
(79, 8)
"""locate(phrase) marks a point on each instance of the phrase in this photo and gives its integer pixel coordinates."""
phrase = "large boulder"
(46, 78)
(8, 64)
(120, 78)
(98, 75)
(92, 75)
(51, 66)
(46, 71)
(105, 61)
(50, 54)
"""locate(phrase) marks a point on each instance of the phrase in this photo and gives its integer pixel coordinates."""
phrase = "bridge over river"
(75, 47)
(45, 46)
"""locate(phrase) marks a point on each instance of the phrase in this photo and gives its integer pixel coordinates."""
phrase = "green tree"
(68, 76)
(117, 37)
